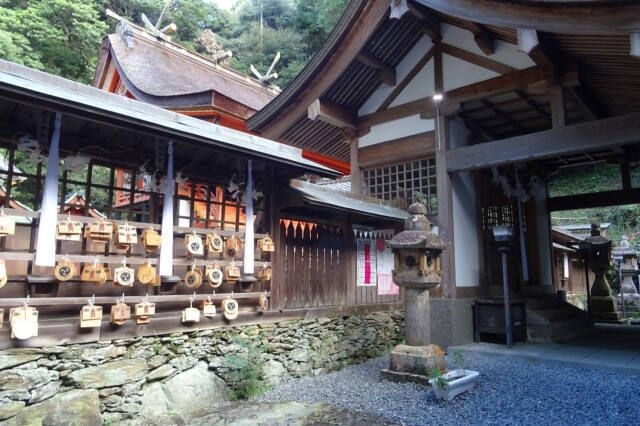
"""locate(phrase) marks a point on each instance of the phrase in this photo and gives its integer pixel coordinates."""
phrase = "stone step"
(544, 303)
(552, 314)
(556, 331)
(550, 320)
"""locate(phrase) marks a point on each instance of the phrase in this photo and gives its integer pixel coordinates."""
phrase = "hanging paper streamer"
(384, 266)
(166, 248)
(46, 242)
(523, 247)
(248, 267)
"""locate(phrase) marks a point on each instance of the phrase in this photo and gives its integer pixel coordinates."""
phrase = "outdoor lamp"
(416, 252)
(503, 236)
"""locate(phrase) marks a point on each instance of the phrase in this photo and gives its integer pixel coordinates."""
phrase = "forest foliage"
(63, 36)
(623, 219)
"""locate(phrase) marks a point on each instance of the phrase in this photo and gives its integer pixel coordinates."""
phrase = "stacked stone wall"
(153, 376)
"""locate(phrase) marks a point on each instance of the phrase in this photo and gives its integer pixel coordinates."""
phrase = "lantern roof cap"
(416, 239)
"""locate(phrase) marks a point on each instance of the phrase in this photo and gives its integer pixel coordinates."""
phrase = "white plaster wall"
(421, 86)
(465, 233)
(505, 53)
(403, 68)
(458, 73)
(396, 129)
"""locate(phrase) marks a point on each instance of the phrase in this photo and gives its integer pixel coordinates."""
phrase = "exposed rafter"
(476, 127)
(336, 115)
(533, 104)
(482, 37)
(503, 114)
(407, 79)
(528, 43)
(386, 73)
(515, 80)
(594, 135)
(556, 101)
(586, 103)
(431, 23)
(475, 59)
(568, 17)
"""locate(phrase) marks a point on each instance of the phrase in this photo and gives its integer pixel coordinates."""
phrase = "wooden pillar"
(348, 295)
(349, 136)
(277, 259)
(556, 99)
(444, 189)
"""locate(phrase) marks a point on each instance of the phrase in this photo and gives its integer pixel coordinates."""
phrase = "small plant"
(246, 371)
(457, 358)
(440, 381)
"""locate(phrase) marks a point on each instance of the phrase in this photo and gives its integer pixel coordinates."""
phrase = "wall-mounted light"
(437, 98)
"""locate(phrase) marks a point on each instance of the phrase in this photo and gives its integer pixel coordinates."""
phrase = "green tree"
(57, 36)
(190, 16)
(315, 19)
(253, 48)
(276, 14)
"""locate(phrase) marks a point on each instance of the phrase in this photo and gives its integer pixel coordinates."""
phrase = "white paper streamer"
(46, 242)
(248, 260)
(523, 246)
(166, 249)
(565, 265)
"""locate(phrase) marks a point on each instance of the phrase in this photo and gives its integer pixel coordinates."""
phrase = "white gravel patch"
(510, 391)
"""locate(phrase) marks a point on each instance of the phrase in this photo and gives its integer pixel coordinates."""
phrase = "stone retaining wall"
(182, 372)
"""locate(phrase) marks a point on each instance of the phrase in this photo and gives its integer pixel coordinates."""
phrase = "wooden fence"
(317, 264)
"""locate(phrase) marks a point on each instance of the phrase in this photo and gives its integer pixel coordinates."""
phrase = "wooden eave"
(358, 22)
(155, 71)
(596, 73)
(132, 130)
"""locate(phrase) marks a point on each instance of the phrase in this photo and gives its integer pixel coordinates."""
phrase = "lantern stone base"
(413, 363)
(604, 309)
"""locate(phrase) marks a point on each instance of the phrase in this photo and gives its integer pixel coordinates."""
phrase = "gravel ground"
(510, 391)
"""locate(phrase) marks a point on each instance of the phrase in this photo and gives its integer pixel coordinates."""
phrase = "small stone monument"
(602, 303)
(416, 252)
(628, 268)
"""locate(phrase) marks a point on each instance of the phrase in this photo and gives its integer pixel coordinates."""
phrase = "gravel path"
(510, 391)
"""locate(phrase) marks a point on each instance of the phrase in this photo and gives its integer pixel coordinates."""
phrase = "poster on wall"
(374, 261)
(365, 262)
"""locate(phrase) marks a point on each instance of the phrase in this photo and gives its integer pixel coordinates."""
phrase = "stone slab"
(287, 413)
(8, 361)
(10, 408)
(73, 408)
(184, 393)
(110, 374)
(416, 359)
(398, 377)
(161, 372)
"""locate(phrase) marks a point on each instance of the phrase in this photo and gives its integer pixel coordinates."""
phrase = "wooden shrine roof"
(94, 119)
(163, 73)
(597, 72)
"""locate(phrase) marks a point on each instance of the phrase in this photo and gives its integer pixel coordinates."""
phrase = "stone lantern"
(416, 252)
(628, 258)
(602, 303)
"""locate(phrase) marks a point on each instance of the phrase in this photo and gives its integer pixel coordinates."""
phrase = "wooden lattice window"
(408, 181)
(111, 191)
